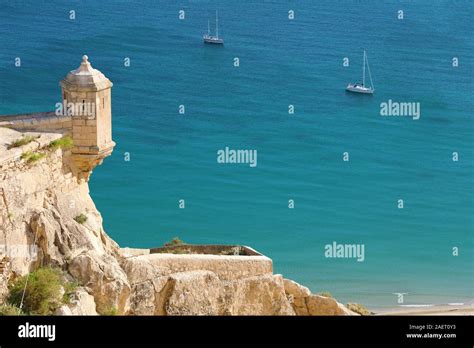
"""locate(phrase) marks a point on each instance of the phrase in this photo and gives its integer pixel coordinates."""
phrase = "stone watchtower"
(86, 92)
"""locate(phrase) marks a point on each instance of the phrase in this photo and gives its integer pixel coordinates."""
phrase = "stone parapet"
(37, 122)
(226, 267)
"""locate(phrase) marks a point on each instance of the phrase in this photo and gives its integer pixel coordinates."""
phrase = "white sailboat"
(211, 39)
(360, 87)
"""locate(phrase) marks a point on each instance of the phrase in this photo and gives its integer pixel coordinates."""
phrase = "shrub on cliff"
(32, 157)
(8, 309)
(325, 294)
(175, 241)
(109, 311)
(80, 219)
(45, 291)
(22, 141)
(64, 143)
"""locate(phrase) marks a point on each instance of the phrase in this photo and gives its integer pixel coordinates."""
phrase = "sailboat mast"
(208, 28)
(217, 26)
(370, 75)
(363, 71)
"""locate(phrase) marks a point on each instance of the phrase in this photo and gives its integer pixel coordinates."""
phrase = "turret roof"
(85, 78)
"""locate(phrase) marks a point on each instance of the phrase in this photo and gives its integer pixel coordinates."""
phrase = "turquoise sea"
(282, 62)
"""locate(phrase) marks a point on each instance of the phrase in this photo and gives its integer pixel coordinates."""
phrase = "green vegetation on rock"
(32, 157)
(22, 141)
(109, 311)
(46, 290)
(8, 309)
(80, 219)
(174, 241)
(325, 294)
(64, 143)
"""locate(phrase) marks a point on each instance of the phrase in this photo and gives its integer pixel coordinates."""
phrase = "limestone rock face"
(142, 299)
(295, 289)
(193, 293)
(259, 295)
(4, 278)
(139, 269)
(158, 289)
(63, 310)
(39, 203)
(202, 293)
(305, 303)
(321, 305)
(346, 310)
(297, 295)
(105, 277)
(82, 303)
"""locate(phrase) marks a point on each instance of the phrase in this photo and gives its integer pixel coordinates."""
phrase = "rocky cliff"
(45, 203)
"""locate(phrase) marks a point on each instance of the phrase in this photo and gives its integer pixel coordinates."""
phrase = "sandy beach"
(434, 310)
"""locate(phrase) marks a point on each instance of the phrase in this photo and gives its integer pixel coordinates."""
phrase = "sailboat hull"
(213, 40)
(359, 89)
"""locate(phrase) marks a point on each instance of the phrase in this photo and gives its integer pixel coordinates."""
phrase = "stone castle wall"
(37, 122)
(226, 267)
